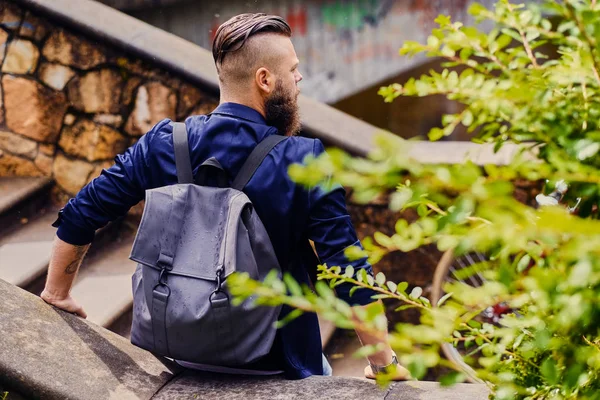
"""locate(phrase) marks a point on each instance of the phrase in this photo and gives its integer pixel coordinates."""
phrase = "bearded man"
(258, 78)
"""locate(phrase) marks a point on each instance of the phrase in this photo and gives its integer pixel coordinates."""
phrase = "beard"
(282, 112)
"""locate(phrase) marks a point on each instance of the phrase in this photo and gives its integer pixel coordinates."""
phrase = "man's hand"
(64, 263)
(67, 304)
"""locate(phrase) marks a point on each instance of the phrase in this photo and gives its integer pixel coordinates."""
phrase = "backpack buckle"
(162, 278)
(219, 298)
(220, 272)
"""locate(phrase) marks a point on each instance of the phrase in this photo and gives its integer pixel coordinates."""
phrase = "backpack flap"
(194, 222)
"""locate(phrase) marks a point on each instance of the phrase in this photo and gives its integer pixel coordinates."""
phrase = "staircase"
(103, 285)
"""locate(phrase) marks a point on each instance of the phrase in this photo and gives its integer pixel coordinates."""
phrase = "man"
(259, 76)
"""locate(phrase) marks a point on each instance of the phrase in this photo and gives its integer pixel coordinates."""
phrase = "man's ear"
(265, 80)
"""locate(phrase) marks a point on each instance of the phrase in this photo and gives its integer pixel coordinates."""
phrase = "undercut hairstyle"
(233, 51)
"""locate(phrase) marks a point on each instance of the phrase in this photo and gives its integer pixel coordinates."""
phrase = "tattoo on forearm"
(74, 264)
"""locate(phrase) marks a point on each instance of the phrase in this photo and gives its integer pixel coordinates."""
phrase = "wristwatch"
(377, 369)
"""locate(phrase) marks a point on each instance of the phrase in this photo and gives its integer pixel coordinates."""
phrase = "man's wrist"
(384, 368)
(382, 357)
(50, 294)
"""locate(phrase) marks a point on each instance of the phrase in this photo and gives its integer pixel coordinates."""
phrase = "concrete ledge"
(50, 354)
(194, 63)
(211, 386)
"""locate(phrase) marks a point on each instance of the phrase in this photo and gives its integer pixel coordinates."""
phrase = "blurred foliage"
(532, 80)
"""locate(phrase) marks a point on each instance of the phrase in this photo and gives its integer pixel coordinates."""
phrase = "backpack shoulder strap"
(255, 159)
(183, 164)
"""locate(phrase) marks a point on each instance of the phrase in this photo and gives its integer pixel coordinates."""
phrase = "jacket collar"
(240, 111)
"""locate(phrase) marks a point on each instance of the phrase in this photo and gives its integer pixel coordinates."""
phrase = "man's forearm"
(383, 357)
(64, 263)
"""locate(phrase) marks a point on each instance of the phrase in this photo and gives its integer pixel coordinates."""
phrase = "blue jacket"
(291, 214)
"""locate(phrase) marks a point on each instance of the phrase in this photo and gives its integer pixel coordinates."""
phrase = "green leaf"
(452, 378)
(383, 239)
(422, 210)
(503, 41)
(392, 286)
(435, 134)
(370, 280)
(467, 119)
(523, 263)
(417, 368)
(380, 279)
(325, 291)
(402, 286)
(399, 198)
(416, 292)
(349, 273)
(380, 296)
(292, 285)
(549, 371)
(433, 41)
(295, 313)
(405, 307)
(443, 299)
(363, 276)
(354, 289)
(366, 351)
(474, 324)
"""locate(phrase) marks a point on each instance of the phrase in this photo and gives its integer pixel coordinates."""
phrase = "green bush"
(532, 80)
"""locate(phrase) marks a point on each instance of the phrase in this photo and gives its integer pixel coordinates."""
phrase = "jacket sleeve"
(111, 194)
(331, 230)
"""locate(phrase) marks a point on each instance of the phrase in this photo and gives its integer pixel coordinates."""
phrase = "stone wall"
(70, 104)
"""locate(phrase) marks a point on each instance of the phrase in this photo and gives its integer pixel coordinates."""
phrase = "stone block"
(71, 174)
(11, 165)
(44, 163)
(142, 69)
(32, 109)
(21, 57)
(86, 139)
(154, 102)
(34, 28)
(10, 15)
(129, 91)
(18, 144)
(72, 50)
(47, 149)
(188, 97)
(55, 75)
(3, 43)
(109, 119)
(96, 92)
(204, 108)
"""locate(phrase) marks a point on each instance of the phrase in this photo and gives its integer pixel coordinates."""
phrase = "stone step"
(21, 199)
(14, 191)
(103, 287)
(25, 251)
(327, 330)
(340, 351)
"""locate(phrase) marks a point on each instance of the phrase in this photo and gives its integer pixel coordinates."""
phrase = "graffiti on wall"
(343, 46)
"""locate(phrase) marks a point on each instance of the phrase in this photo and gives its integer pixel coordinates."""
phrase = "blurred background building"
(347, 48)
